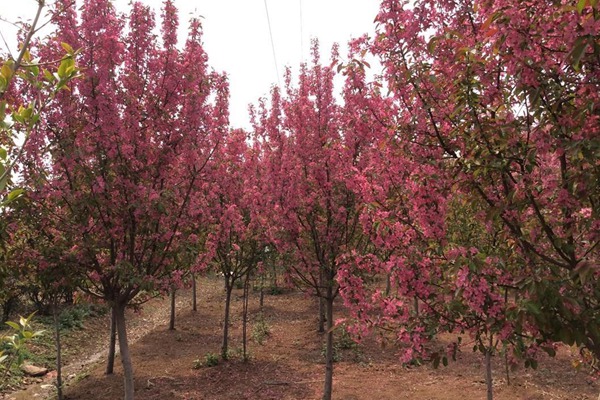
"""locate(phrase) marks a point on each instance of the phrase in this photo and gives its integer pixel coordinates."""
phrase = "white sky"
(236, 36)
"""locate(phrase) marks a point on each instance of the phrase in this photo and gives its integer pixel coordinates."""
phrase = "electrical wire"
(272, 44)
(301, 34)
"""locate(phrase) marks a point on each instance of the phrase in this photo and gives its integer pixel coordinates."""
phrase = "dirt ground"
(289, 365)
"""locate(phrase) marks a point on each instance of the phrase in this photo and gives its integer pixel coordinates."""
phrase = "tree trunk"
(124, 351)
(110, 363)
(261, 301)
(225, 346)
(322, 309)
(262, 298)
(322, 306)
(388, 284)
(7, 309)
(194, 293)
(59, 383)
(328, 388)
(172, 319)
(416, 305)
(488, 373)
(506, 367)
(274, 277)
(245, 318)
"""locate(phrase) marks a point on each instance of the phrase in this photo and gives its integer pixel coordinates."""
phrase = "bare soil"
(289, 364)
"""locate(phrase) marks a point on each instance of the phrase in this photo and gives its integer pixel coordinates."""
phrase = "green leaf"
(17, 117)
(14, 194)
(27, 112)
(48, 75)
(4, 179)
(581, 5)
(34, 120)
(67, 47)
(6, 72)
(432, 44)
(565, 336)
(35, 70)
(13, 325)
(533, 308)
(578, 51)
(62, 68)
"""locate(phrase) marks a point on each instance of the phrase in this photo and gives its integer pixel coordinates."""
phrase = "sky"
(237, 38)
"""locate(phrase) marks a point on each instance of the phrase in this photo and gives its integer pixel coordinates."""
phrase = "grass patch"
(260, 330)
(41, 350)
(210, 360)
(342, 345)
(74, 316)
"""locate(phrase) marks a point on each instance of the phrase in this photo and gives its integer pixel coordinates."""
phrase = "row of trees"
(458, 192)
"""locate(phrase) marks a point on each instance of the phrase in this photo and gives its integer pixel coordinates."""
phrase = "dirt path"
(289, 364)
(89, 346)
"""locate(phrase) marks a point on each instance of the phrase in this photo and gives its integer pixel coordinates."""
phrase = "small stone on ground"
(32, 370)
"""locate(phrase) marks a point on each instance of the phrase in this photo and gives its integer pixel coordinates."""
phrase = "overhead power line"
(301, 34)
(272, 44)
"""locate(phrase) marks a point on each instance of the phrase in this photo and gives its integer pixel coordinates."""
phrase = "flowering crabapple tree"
(521, 124)
(309, 158)
(236, 239)
(127, 150)
(403, 215)
(498, 99)
(18, 117)
(47, 268)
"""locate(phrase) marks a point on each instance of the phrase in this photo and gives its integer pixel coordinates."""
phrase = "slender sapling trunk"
(262, 298)
(261, 301)
(225, 346)
(124, 351)
(194, 293)
(488, 370)
(59, 383)
(245, 318)
(322, 310)
(110, 362)
(7, 308)
(506, 368)
(328, 388)
(172, 318)
(388, 284)
(416, 305)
